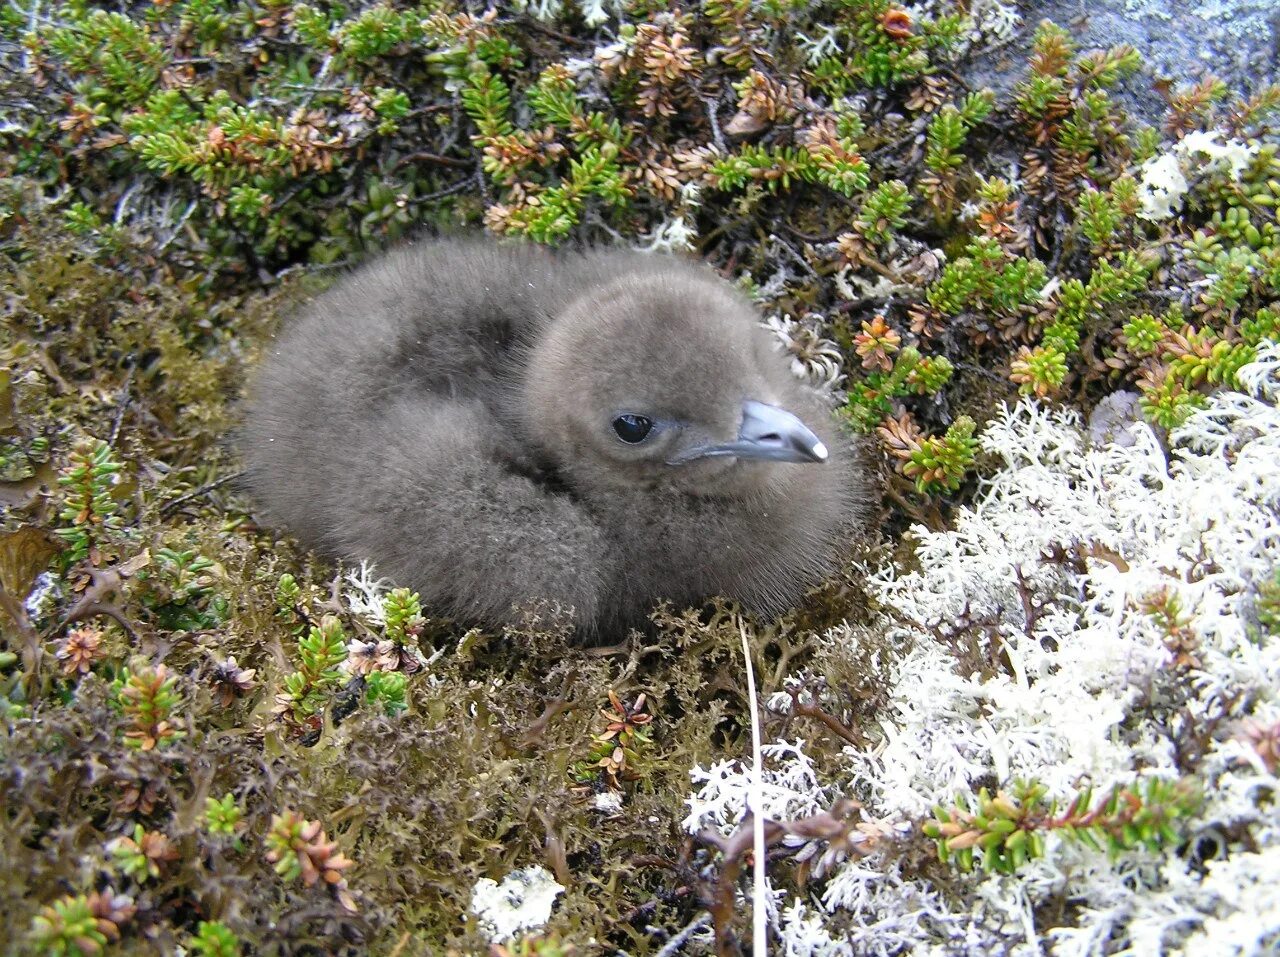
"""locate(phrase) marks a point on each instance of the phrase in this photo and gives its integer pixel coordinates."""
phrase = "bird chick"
(496, 426)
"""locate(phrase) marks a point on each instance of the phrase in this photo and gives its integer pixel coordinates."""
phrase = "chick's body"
(466, 416)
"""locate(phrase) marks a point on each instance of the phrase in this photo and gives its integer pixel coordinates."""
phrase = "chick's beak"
(767, 433)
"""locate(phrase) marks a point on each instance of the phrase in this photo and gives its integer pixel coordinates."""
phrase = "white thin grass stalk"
(759, 916)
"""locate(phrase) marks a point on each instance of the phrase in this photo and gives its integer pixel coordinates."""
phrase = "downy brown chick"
(495, 426)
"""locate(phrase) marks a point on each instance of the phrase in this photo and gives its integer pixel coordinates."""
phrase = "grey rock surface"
(1235, 40)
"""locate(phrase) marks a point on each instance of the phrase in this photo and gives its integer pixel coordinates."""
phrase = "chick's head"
(666, 379)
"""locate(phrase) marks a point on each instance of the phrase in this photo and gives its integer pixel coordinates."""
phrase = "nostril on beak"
(770, 432)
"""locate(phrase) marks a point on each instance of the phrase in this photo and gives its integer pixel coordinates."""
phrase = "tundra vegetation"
(1041, 707)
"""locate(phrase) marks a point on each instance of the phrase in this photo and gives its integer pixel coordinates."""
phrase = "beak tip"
(768, 433)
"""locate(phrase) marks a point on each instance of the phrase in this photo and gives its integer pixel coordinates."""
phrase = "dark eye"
(632, 428)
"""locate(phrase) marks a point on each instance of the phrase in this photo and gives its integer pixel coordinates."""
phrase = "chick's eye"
(632, 428)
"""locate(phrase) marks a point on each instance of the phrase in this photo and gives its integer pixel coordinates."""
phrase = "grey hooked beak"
(767, 433)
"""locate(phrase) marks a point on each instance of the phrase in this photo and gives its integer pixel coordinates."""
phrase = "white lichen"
(365, 594)
(823, 44)
(1162, 180)
(676, 234)
(522, 902)
(994, 23)
(539, 9)
(857, 289)
(789, 789)
(1212, 149)
(593, 11)
(1161, 187)
(608, 803)
(43, 597)
(1073, 682)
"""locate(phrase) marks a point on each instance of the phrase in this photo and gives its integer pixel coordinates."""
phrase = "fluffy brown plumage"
(466, 415)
